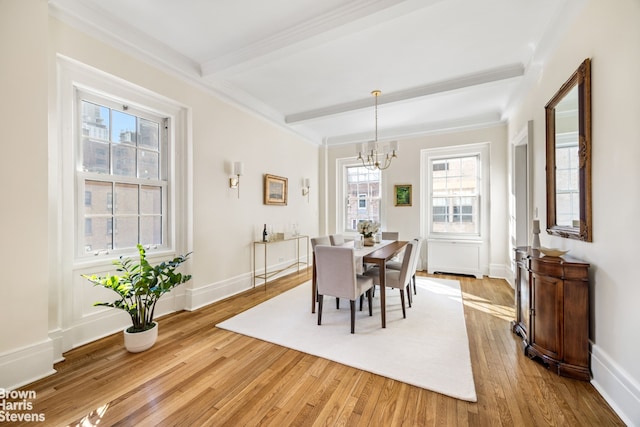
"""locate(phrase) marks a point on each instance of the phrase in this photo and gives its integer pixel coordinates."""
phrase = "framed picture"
(402, 194)
(275, 190)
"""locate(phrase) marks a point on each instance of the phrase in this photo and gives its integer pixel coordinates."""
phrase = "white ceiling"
(311, 65)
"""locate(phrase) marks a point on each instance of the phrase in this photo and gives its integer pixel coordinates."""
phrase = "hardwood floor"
(197, 374)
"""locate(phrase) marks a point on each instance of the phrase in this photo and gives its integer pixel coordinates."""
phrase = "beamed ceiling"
(310, 65)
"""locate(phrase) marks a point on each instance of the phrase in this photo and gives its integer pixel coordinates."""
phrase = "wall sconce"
(237, 168)
(305, 188)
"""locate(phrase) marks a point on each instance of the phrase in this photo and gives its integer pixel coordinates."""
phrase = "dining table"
(378, 254)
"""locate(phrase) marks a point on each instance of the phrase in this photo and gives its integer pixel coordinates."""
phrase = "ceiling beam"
(348, 19)
(482, 77)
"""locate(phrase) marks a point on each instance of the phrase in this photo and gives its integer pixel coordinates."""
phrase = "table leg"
(265, 268)
(383, 302)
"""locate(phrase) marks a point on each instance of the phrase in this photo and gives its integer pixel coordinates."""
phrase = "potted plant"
(139, 286)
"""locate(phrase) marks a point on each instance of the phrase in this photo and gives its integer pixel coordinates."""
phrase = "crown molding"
(104, 27)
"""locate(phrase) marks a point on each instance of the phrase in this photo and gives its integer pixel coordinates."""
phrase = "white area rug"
(428, 349)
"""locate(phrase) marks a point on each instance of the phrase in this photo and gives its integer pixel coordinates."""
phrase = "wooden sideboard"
(552, 311)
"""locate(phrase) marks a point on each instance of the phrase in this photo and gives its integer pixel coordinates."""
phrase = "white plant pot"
(135, 342)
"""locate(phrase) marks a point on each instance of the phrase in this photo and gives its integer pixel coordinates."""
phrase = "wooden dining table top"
(386, 252)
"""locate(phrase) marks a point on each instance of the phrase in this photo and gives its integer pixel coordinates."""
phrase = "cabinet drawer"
(546, 268)
(580, 272)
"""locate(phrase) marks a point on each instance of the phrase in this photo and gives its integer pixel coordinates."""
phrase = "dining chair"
(397, 265)
(322, 240)
(337, 239)
(317, 241)
(390, 235)
(337, 277)
(398, 279)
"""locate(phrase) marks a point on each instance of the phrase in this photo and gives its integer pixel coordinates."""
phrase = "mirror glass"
(568, 122)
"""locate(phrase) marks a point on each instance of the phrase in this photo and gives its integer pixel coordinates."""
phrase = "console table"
(265, 245)
(552, 311)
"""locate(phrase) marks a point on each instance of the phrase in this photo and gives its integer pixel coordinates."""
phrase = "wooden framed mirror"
(568, 123)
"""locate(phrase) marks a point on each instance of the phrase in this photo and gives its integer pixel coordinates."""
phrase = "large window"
(122, 175)
(455, 194)
(362, 196)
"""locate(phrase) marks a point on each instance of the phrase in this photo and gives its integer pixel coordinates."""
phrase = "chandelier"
(372, 159)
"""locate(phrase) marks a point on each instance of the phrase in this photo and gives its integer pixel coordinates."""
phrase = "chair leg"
(409, 297)
(337, 303)
(361, 300)
(369, 297)
(404, 310)
(415, 290)
(353, 316)
(320, 298)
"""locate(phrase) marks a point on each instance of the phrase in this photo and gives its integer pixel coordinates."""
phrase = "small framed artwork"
(275, 190)
(402, 194)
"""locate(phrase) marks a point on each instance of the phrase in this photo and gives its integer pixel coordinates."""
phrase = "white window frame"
(75, 76)
(83, 176)
(342, 196)
(428, 157)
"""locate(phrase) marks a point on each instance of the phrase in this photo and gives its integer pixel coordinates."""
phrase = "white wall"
(23, 172)
(406, 170)
(217, 226)
(609, 34)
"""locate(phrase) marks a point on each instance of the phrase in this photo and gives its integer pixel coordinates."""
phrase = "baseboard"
(501, 271)
(26, 365)
(616, 386)
(208, 294)
(57, 338)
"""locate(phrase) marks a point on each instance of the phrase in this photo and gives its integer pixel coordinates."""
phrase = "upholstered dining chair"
(337, 277)
(398, 279)
(397, 265)
(337, 239)
(322, 240)
(317, 241)
(390, 235)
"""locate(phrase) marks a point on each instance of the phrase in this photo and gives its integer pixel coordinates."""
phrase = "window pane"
(95, 156)
(151, 230)
(124, 160)
(126, 199)
(95, 121)
(150, 200)
(97, 234)
(149, 134)
(123, 129)
(148, 164)
(99, 194)
(125, 232)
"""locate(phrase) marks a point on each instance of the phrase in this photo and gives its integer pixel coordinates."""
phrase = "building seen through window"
(363, 196)
(122, 174)
(455, 195)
